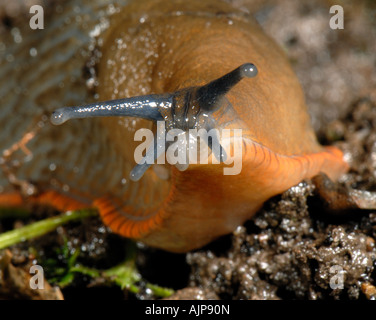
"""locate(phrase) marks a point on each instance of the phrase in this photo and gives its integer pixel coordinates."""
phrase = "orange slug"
(187, 64)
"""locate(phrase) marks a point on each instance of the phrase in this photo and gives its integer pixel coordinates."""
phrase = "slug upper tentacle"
(146, 107)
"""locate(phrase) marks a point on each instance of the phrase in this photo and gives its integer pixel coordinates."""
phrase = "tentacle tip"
(248, 70)
(138, 172)
(134, 176)
(58, 117)
(182, 167)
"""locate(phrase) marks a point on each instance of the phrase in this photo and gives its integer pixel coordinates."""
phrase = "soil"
(292, 249)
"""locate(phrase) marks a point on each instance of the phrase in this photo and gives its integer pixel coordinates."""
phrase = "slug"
(184, 64)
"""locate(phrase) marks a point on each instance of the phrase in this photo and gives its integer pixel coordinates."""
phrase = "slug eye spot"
(59, 116)
(249, 70)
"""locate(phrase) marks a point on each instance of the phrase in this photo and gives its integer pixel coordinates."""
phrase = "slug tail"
(335, 165)
(293, 169)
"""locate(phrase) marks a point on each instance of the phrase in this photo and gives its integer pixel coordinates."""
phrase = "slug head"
(188, 108)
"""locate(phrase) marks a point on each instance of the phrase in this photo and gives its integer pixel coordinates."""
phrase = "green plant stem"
(124, 275)
(42, 227)
(160, 291)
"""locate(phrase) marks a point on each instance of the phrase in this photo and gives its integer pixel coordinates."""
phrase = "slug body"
(159, 47)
